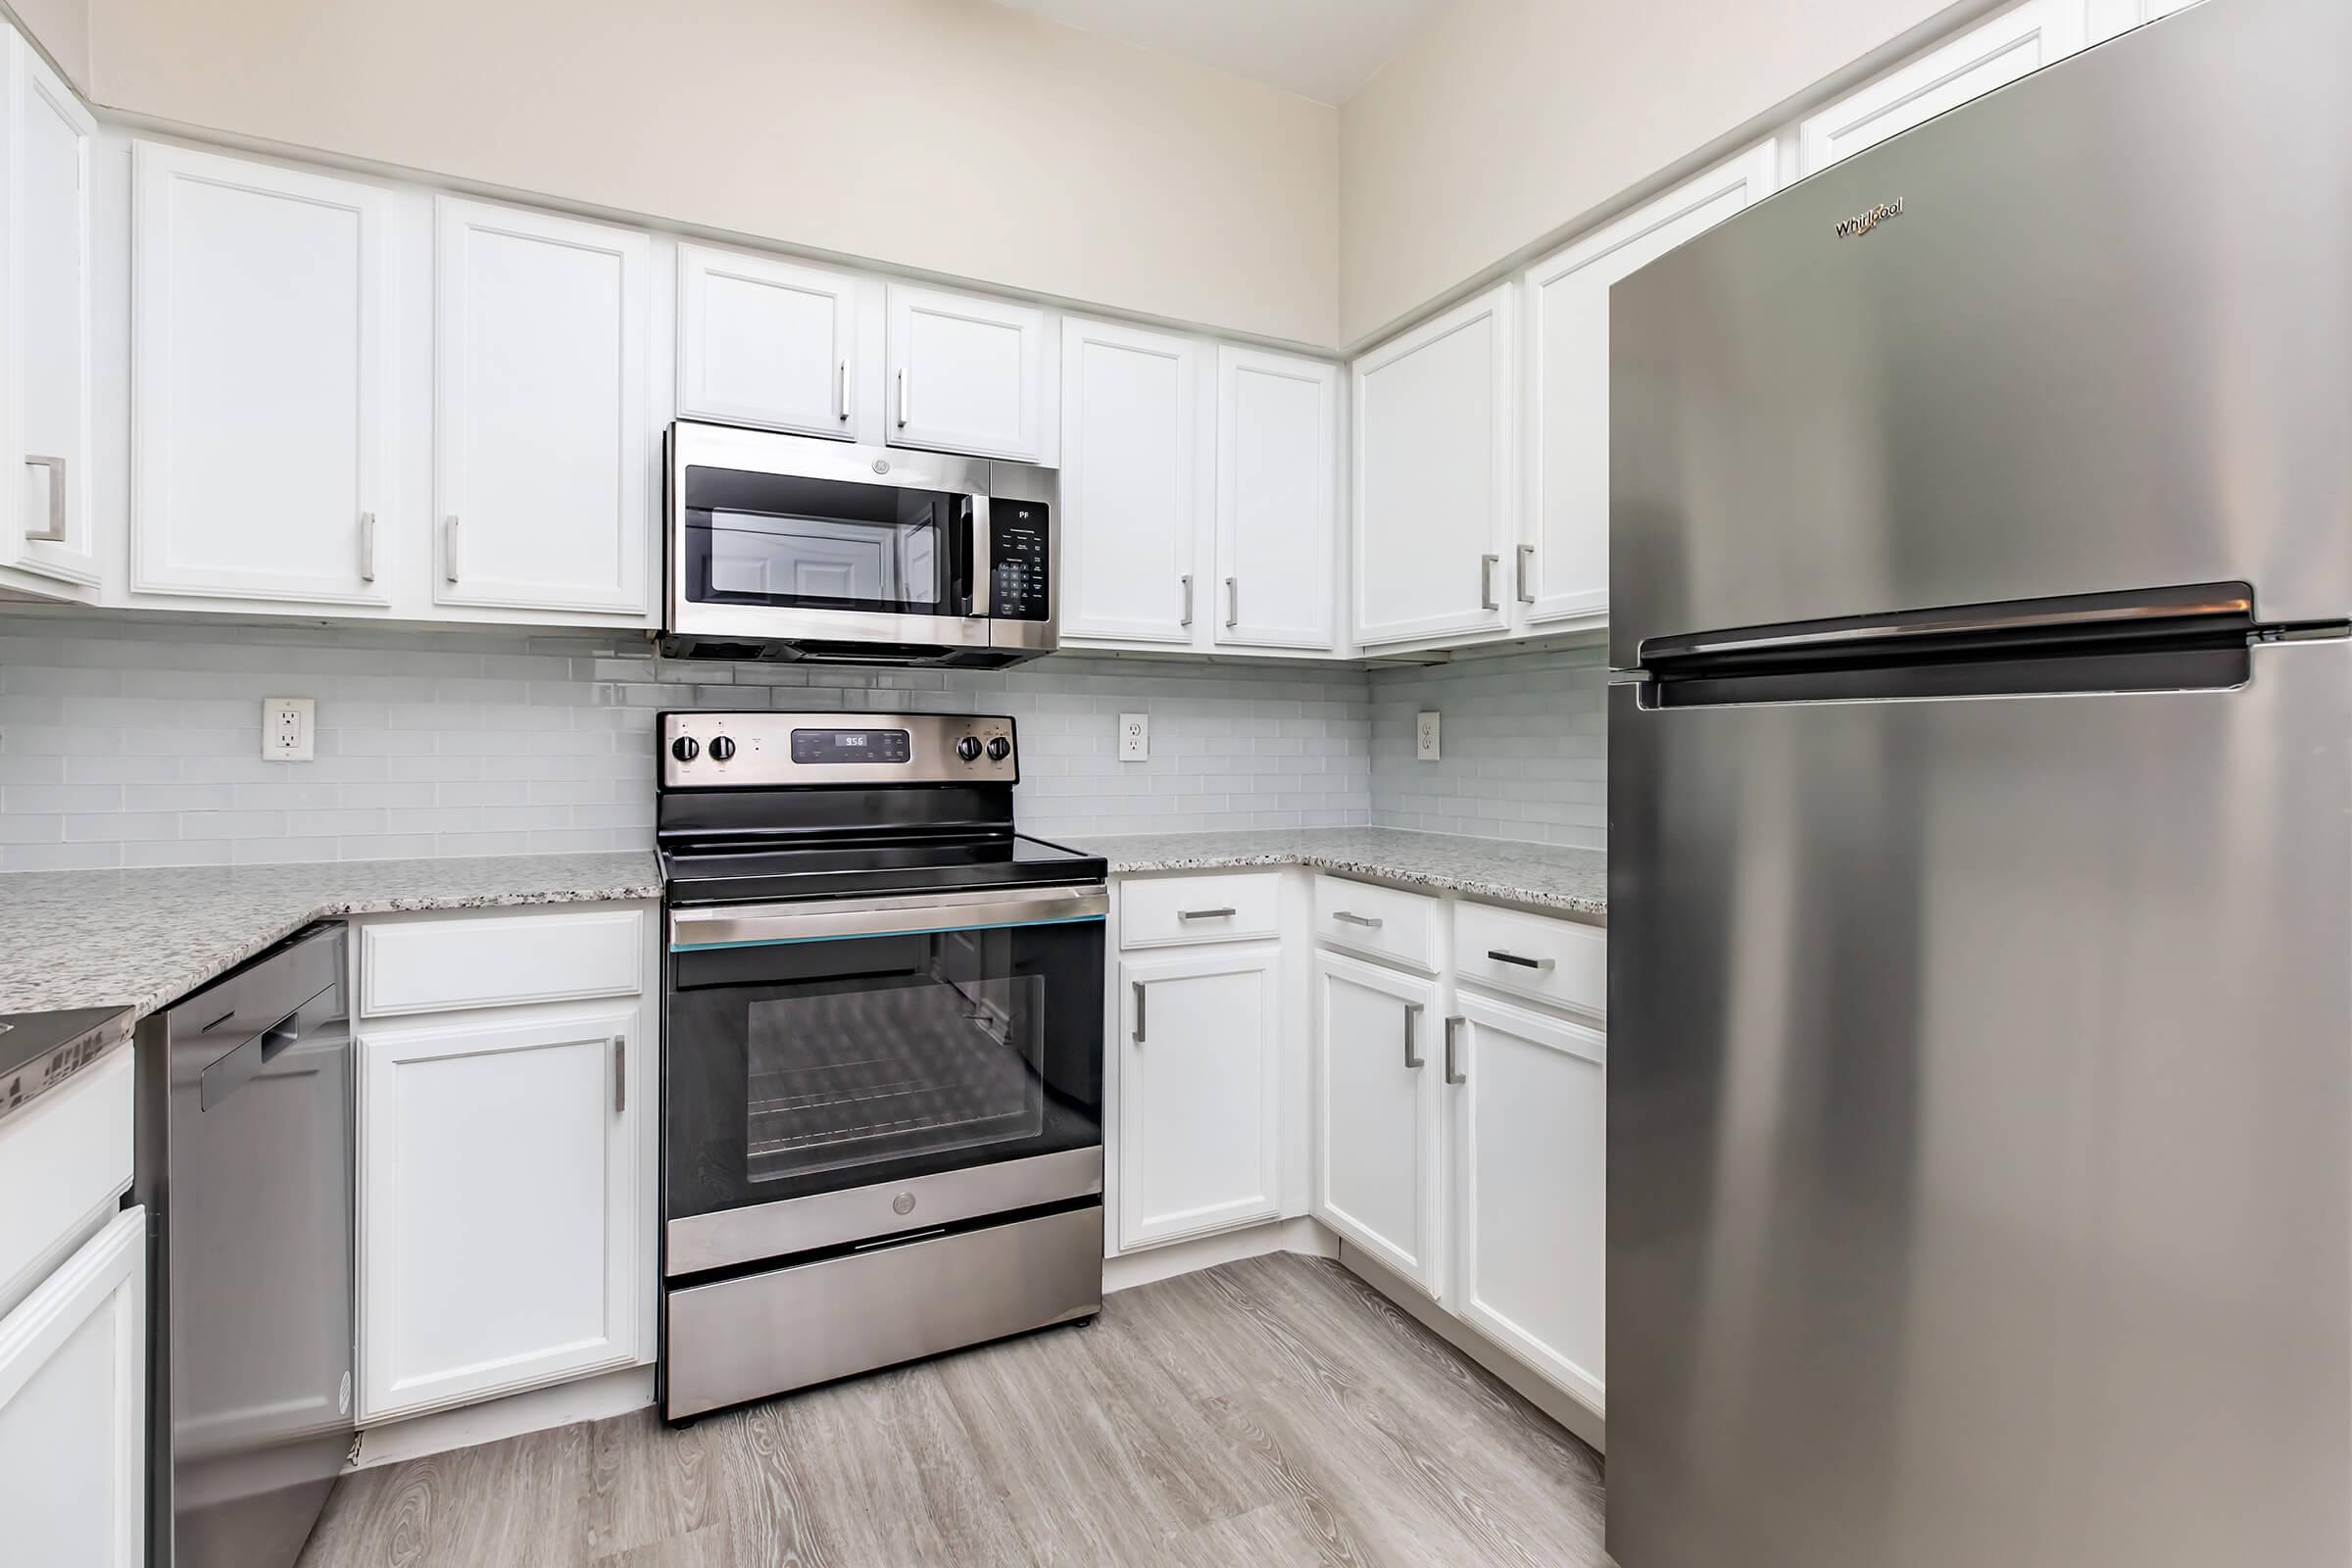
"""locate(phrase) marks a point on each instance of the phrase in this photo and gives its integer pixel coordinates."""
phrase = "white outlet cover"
(289, 730)
(1425, 737)
(1135, 737)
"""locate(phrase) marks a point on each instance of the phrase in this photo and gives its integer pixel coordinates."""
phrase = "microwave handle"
(962, 589)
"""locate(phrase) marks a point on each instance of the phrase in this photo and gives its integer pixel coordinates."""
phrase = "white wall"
(1509, 120)
(946, 135)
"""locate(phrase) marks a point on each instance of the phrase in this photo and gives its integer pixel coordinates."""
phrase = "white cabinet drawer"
(1381, 921)
(1166, 912)
(1556, 961)
(438, 965)
(64, 1161)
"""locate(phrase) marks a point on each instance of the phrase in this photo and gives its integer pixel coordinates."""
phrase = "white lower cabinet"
(1528, 1118)
(74, 1408)
(500, 1201)
(1379, 1176)
(1200, 1094)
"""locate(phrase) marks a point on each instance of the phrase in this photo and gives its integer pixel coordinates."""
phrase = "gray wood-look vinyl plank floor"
(1271, 1411)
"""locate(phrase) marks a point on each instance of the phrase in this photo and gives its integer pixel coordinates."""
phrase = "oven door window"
(786, 542)
(802, 1067)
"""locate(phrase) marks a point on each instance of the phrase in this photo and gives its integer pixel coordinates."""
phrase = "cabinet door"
(1433, 455)
(543, 472)
(967, 374)
(1199, 1095)
(1530, 1123)
(2107, 18)
(1129, 491)
(2018, 40)
(1562, 570)
(1379, 1177)
(499, 1243)
(1278, 435)
(766, 342)
(45, 514)
(74, 1408)
(261, 391)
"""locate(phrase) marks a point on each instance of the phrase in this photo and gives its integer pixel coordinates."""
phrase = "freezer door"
(2106, 344)
(1979, 1172)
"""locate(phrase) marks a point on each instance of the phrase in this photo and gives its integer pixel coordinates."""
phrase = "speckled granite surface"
(140, 939)
(1539, 876)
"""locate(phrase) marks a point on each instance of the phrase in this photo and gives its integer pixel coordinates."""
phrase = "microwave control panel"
(1020, 560)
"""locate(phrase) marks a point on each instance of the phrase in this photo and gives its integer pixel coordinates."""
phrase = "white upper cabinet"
(543, 474)
(767, 342)
(1199, 1095)
(2107, 18)
(968, 374)
(1278, 444)
(1130, 482)
(1529, 1102)
(1561, 572)
(261, 385)
(1998, 51)
(1435, 507)
(46, 512)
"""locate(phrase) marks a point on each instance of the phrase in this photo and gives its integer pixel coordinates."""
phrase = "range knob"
(999, 748)
(685, 749)
(721, 748)
(968, 748)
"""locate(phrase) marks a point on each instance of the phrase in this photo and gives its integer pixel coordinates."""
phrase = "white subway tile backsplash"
(1524, 751)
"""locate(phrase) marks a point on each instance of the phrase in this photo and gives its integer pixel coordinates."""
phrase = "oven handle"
(764, 924)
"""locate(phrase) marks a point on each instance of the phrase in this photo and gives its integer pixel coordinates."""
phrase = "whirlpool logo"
(1863, 222)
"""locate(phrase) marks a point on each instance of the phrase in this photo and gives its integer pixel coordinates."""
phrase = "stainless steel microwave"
(788, 547)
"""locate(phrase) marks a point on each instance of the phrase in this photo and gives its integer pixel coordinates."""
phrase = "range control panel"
(1020, 556)
(763, 750)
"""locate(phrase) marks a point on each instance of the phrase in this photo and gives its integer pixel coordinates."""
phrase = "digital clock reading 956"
(849, 745)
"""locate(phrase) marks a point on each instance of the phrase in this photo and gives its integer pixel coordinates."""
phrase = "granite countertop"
(140, 939)
(1542, 876)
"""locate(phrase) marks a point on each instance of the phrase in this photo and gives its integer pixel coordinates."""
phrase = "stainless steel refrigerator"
(1980, 836)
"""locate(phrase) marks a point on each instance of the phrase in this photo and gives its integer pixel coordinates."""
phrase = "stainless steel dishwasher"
(245, 1107)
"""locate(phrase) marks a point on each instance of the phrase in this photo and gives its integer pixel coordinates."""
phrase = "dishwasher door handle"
(242, 1065)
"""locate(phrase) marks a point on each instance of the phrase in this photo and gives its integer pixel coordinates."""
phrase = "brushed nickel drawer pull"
(1500, 956)
(1370, 922)
(1205, 914)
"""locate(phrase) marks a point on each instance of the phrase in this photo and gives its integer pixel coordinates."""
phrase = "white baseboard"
(1130, 1269)
(608, 1394)
(1538, 1390)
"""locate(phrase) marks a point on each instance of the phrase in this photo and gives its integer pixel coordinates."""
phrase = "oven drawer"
(1163, 911)
(1555, 962)
(763, 1334)
(1383, 922)
(440, 965)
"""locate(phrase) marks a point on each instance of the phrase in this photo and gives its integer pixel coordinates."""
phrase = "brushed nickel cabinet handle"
(1412, 1017)
(366, 547)
(1233, 601)
(842, 395)
(1139, 1011)
(901, 400)
(1527, 554)
(621, 1074)
(1370, 922)
(1486, 581)
(53, 532)
(1453, 1074)
(1203, 915)
(1186, 618)
(1500, 956)
(449, 547)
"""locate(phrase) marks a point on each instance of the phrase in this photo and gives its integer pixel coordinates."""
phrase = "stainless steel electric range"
(882, 1070)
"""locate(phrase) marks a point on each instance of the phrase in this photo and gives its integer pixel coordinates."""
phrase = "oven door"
(794, 539)
(836, 1072)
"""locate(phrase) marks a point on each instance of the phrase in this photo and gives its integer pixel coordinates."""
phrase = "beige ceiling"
(1318, 49)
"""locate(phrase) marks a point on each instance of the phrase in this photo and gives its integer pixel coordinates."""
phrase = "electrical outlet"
(287, 729)
(1425, 737)
(1135, 737)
